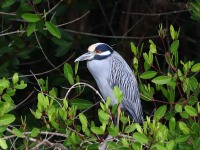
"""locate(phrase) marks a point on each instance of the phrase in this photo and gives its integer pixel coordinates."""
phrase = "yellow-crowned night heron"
(109, 69)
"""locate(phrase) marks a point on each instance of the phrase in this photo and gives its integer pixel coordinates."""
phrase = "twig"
(23, 100)
(43, 50)
(84, 84)
(13, 32)
(156, 14)
(77, 19)
(110, 36)
(106, 18)
(8, 14)
(45, 72)
(36, 80)
(53, 7)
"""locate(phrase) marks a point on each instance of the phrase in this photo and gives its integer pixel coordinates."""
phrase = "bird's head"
(97, 51)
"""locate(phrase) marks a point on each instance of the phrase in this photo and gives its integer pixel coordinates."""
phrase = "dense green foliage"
(61, 113)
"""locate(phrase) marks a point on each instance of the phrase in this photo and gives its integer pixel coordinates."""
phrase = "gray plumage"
(109, 69)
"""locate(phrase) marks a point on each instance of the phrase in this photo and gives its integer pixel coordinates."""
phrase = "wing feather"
(122, 76)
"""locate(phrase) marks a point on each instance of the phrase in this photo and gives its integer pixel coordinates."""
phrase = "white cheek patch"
(106, 53)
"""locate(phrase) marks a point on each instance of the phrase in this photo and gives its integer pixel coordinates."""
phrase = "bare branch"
(8, 14)
(156, 14)
(84, 84)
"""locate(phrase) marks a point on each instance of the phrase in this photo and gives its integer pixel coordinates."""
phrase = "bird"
(109, 69)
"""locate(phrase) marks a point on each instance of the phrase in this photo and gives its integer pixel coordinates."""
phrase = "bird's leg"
(118, 114)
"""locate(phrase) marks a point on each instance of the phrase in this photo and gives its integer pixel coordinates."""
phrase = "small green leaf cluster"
(194, 7)
(178, 89)
(8, 89)
(35, 19)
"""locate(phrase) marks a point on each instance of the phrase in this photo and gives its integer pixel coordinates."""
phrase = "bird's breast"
(100, 70)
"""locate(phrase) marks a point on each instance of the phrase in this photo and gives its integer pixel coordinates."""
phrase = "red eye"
(97, 51)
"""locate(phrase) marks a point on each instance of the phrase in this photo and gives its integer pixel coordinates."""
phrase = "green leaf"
(184, 127)
(97, 130)
(178, 108)
(140, 137)
(37, 1)
(134, 49)
(20, 86)
(182, 138)
(17, 132)
(148, 58)
(190, 110)
(152, 47)
(62, 51)
(113, 131)
(83, 121)
(138, 127)
(196, 67)
(7, 98)
(129, 128)
(136, 146)
(3, 144)
(193, 83)
(65, 103)
(7, 119)
(81, 103)
(161, 80)
(2, 129)
(160, 112)
(172, 32)
(15, 78)
(54, 124)
(30, 29)
(4, 84)
(53, 29)
(29, 17)
(68, 72)
(148, 75)
(118, 94)
(183, 114)
(174, 46)
(172, 124)
(35, 132)
(7, 3)
(160, 146)
(170, 145)
(103, 116)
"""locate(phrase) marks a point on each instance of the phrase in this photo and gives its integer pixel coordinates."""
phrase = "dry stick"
(43, 50)
(28, 133)
(133, 26)
(53, 7)
(155, 14)
(44, 142)
(106, 18)
(45, 72)
(110, 36)
(85, 84)
(36, 80)
(23, 100)
(77, 19)
(6, 29)
(8, 14)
